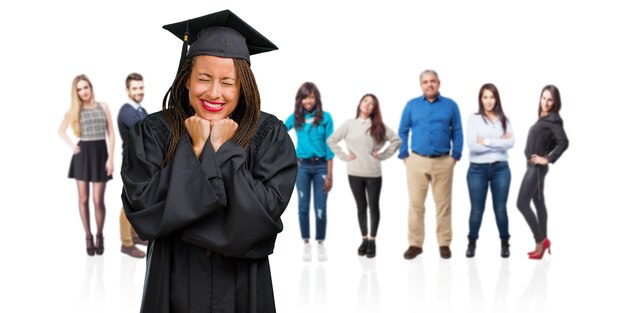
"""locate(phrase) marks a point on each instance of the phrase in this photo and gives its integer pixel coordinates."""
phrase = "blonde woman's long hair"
(74, 111)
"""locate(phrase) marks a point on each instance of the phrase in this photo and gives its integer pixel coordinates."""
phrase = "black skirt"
(90, 163)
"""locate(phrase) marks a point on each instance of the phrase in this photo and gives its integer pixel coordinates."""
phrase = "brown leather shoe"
(138, 241)
(412, 252)
(134, 252)
(445, 252)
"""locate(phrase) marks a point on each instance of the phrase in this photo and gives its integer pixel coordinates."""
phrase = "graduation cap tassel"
(183, 53)
(183, 57)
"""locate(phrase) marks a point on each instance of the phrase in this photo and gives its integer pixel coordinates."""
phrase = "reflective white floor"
(44, 267)
(388, 283)
(50, 272)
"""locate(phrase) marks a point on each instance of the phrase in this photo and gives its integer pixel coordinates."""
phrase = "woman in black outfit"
(545, 144)
(207, 179)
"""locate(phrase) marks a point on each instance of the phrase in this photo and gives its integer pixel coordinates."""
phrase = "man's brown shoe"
(412, 252)
(134, 252)
(138, 241)
(445, 252)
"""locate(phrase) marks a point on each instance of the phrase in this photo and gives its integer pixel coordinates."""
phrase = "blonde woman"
(92, 161)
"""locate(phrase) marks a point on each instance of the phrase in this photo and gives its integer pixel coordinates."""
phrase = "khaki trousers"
(421, 171)
(126, 230)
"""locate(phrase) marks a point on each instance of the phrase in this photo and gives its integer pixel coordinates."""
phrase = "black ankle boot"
(363, 247)
(505, 248)
(471, 249)
(371, 249)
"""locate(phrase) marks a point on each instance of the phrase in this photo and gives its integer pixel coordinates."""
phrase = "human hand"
(328, 184)
(480, 141)
(76, 149)
(375, 154)
(535, 159)
(351, 156)
(221, 131)
(109, 166)
(506, 135)
(199, 130)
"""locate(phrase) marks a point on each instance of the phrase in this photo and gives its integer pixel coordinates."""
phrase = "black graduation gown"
(211, 221)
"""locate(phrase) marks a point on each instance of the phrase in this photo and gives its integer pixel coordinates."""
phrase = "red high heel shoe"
(533, 252)
(544, 246)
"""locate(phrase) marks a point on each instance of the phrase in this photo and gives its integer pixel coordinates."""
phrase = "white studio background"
(348, 48)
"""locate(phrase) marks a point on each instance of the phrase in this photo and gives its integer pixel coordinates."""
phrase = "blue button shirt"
(435, 127)
(312, 138)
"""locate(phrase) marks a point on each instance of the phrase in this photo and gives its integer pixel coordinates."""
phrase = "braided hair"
(304, 91)
(178, 108)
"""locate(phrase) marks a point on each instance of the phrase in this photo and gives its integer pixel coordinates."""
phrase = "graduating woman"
(207, 179)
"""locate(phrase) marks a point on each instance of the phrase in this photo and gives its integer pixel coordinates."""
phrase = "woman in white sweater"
(365, 136)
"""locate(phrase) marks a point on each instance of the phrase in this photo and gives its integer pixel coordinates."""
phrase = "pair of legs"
(100, 210)
(366, 190)
(311, 175)
(421, 172)
(532, 189)
(481, 177)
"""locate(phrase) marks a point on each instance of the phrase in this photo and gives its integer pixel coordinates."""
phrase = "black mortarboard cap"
(221, 34)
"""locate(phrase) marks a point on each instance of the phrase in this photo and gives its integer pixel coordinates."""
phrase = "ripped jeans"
(311, 173)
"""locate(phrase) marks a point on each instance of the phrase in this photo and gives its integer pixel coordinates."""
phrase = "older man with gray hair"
(434, 123)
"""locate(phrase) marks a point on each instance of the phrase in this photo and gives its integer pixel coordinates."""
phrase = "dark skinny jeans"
(360, 187)
(532, 189)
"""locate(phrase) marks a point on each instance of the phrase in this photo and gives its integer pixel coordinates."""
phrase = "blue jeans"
(312, 173)
(480, 177)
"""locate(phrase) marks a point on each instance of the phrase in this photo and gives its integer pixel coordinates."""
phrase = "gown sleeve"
(259, 183)
(158, 199)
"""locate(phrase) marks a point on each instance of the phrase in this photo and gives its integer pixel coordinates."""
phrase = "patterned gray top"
(93, 124)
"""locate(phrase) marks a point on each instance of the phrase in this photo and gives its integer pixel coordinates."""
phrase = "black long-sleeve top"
(547, 138)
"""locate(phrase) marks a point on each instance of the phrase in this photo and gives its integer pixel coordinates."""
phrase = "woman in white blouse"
(365, 136)
(489, 136)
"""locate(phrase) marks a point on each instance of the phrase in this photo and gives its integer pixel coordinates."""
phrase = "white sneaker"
(321, 253)
(306, 253)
